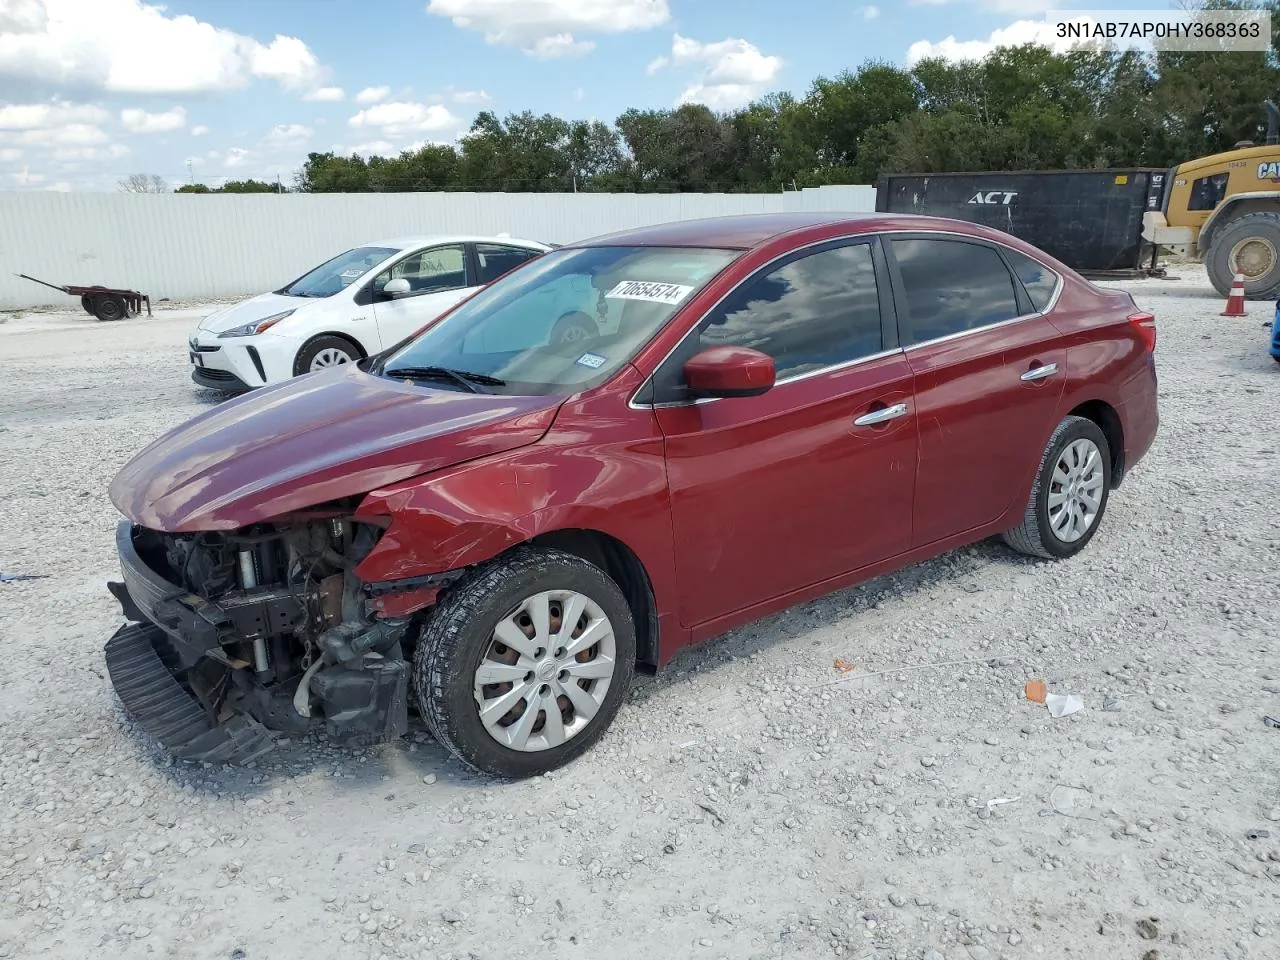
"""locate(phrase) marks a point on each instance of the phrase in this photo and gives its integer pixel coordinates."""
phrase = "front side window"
(564, 323)
(952, 286)
(429, 271)
(816, 311)
(495, 259)
(1207, 192)
(335, 275)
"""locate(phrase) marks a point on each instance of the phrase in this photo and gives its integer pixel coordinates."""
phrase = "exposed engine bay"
(266, 629)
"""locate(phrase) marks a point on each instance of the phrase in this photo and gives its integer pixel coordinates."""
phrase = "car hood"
(253, 309)
(335, 433)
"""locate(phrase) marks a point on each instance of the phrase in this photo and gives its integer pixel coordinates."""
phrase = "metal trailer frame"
(105, 303)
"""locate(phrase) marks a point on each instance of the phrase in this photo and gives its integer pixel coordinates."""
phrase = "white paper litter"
(1063, 706)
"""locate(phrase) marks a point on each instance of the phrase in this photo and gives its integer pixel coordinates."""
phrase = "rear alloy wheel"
(524, 663)
(1069, 495)
(323, 353)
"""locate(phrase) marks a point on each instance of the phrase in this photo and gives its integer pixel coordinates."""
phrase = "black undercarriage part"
(236, 637)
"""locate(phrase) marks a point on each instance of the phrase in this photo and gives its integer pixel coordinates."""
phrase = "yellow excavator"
(1225, 208)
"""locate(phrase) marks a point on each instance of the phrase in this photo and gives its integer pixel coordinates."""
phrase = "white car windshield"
(337, 274)
(563, 323)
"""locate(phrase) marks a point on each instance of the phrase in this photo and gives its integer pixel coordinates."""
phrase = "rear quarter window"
(1039, 281)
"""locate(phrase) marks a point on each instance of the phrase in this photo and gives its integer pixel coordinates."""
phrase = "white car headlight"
(258, 326)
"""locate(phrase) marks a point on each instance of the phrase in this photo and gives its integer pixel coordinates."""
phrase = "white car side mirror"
(398, 287)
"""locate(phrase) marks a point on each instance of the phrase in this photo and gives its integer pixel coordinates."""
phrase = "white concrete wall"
(189, 246)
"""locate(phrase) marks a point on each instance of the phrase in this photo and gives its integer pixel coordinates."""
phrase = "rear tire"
(1069, 495)
(1254, 233)
(462, 645)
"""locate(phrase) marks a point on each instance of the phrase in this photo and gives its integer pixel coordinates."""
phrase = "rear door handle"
(1039, 373)
(882, 415)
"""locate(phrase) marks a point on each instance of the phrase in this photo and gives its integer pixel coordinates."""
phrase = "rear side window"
(816, 311)
(496, 260)
(1039, 280)
(952, 286)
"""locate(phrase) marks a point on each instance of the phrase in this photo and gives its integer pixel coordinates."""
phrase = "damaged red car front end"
(241, 558)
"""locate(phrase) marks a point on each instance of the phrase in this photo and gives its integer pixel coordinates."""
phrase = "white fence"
(189, 246)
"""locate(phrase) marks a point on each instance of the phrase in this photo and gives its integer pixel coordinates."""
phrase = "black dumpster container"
(1091, 220)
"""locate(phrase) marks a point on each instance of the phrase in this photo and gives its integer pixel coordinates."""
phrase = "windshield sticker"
(594, 361)
(652, 292)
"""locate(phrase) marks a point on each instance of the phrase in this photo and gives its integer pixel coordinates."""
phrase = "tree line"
(1020, 108)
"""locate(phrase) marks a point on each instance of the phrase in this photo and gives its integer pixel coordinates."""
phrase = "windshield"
(333, 275)
(565, 322)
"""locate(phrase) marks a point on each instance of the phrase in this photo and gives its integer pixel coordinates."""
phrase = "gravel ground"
(754, 801)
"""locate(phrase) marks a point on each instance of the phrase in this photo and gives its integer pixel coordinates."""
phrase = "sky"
(209, 90)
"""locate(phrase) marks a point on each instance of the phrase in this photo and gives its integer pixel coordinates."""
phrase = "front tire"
(1069, 495)
(1253, 242)
(524, 663)
(323, 353)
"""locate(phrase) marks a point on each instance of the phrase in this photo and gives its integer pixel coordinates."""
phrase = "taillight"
(1146, 326)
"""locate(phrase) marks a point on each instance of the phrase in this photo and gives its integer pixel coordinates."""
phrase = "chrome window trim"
(869, 237)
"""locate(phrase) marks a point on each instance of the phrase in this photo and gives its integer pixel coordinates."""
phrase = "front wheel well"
(347, 338)
(1108, 421)
(617, 560)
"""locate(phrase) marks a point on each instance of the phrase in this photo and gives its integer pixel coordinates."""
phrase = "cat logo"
(1269, 170)
(994, 196)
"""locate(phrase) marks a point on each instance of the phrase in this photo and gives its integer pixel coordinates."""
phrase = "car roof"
(428, 239)
(744, 231)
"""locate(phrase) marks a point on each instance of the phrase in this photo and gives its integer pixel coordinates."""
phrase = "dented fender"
(601, 467)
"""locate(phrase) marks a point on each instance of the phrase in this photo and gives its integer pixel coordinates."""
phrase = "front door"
(773, 493)
(438, 277)
(990, 370)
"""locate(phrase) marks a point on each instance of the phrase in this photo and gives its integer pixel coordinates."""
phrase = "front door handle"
(1039, 373)
(882, 415)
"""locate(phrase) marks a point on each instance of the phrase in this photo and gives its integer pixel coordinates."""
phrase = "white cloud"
(373, 94)
(376, 148)
(325, 95)
(60, 187)
(870, 13)
(734, 71)
(68, 155)
(469, 96)
(579, 94)
(10, 154)
(287, 136)
(72, 135)
(38, 116)
(199, 131)
(1016, 34)
(128, 46)
(546, 28)
(139, 121)
(235, 157)
(559, 47)
(398, 119)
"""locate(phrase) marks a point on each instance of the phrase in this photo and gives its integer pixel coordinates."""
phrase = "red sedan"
(503, 526)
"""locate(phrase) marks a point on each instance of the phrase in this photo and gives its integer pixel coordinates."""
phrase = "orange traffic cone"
(1235, 300)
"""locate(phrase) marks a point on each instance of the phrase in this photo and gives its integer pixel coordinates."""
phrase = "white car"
(355, 305)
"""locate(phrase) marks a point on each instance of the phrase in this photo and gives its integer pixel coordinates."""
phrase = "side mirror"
(399, 287)
(729, 372)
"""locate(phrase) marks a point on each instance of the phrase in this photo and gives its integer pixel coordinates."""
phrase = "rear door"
(438, 278)
(774, 493)
(989, 374)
